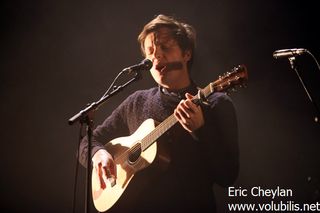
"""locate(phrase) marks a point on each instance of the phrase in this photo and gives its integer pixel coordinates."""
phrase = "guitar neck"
(158, 131)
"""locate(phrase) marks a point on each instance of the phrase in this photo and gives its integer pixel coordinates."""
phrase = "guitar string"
(166, 124)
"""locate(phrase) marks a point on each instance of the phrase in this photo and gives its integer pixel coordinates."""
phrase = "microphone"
(288, 52)
(145, 64)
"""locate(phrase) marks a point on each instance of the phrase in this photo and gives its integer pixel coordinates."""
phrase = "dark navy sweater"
(196, 161)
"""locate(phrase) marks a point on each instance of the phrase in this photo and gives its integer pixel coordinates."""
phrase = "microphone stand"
(294, 67)
(86, 116)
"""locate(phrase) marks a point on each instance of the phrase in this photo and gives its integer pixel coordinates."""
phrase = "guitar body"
(127, 162)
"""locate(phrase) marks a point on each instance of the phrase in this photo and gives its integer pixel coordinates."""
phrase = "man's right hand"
(105, 168)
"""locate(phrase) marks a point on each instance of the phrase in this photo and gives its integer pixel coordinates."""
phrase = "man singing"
(193, 155)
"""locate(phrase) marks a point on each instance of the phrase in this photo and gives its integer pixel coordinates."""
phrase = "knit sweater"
(196, 161)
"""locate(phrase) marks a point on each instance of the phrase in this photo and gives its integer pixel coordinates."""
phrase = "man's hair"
(183, 33)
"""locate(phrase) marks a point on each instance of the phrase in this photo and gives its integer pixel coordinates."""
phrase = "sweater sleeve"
(219, 139)
(114, 126)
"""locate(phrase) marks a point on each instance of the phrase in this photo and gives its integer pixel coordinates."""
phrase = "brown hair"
(183, 33)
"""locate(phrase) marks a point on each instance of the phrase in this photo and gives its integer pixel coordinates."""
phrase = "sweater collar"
(180, 94)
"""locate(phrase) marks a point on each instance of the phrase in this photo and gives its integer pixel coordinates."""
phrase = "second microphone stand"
(295, 68)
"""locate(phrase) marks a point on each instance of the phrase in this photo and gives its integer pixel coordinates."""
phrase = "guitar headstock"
(228, 82)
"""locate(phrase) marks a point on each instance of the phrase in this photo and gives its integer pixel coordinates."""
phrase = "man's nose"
(157, 54)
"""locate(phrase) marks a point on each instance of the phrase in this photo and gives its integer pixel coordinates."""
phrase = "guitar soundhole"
(135, 153)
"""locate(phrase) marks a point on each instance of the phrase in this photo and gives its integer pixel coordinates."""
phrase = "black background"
(56, 56)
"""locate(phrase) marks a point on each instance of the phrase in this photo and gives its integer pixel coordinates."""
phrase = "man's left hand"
(189, 114)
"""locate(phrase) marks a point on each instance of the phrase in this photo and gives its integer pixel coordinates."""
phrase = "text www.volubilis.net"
(288, 206)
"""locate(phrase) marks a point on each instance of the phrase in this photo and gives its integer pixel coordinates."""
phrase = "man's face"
(169, 62)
